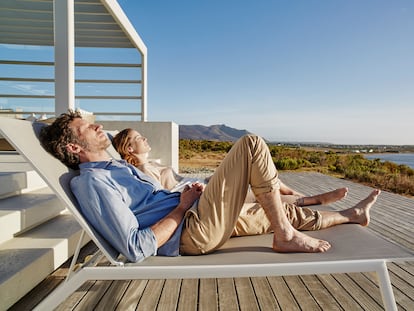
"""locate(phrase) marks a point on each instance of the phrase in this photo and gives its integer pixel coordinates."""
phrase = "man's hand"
(190, 195)
(165, 228)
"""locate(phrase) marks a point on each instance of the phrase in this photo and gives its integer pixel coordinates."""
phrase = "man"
(140, 219)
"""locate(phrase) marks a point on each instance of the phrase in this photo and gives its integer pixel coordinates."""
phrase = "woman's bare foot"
(297, 242)
(324, 198)
(360, 213)
(333, 196)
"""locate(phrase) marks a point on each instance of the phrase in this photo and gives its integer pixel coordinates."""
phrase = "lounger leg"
(386, 288)
(64, 290)
(75, 255)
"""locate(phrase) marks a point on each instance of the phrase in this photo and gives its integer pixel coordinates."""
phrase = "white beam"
(64, 55)
(118, 14)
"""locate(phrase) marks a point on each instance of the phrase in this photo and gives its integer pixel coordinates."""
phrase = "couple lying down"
(135, 148)
(140, 218)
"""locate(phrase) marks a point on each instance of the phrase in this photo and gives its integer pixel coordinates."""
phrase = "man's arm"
(165, 228)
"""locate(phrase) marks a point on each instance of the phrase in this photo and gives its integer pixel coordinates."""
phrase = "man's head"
(69, 138)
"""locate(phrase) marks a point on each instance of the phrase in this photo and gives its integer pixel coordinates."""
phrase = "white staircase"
(37, 235)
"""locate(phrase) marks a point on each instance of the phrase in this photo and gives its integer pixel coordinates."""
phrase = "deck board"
(392, 217)
(264, 294)
(188, 295)
(227, 294)
(132, 295)
(246, 294)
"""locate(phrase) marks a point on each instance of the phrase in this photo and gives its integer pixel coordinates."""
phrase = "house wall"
(162, 137)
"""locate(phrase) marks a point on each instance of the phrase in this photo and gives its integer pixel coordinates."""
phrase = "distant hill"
(219, 132)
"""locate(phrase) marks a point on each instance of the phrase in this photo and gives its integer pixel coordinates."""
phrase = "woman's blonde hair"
(121, 142)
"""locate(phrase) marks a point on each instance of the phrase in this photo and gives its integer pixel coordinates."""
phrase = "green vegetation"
(384, 175)
(188, 147)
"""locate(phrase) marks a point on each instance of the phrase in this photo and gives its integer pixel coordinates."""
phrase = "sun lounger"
(111, 150)
(355, 249)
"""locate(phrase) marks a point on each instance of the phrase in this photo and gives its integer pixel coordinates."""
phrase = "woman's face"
(138, 144)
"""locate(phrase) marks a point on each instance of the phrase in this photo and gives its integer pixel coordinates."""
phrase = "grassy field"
(205, 156)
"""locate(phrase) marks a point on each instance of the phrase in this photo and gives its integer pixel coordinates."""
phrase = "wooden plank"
(354, 290)
(76, 297)
(246, 295)
(170, 295)
(264, 294)
(113, 295)
(369, 285)
(132, 295)
(319, 293)
(94, 294)
(227, 294)
(188, 299)
(283, 294)
(337, 291)
(302, 296)
(208, 297)
(151, 295)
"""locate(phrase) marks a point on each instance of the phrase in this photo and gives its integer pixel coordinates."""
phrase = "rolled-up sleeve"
(106, 210)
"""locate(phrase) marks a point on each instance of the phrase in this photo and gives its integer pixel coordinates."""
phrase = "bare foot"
(297, 242)
(324, 198)
(333, 196)
(360, 213)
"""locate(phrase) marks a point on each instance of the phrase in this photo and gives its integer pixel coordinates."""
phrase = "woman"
(134, 148)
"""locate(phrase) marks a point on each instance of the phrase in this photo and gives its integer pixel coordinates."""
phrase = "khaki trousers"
(219, 215)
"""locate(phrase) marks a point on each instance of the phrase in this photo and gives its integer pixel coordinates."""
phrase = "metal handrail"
(76, 80)
(80, 64)
(9, 112)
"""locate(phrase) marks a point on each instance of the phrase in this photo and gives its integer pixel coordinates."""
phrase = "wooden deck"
(392, 217)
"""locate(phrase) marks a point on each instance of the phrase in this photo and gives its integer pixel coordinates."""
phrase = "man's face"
(92, 136)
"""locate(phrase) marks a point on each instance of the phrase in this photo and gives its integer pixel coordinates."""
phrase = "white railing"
(110, 83)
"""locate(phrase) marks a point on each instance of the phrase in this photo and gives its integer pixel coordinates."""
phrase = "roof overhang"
(98, 23)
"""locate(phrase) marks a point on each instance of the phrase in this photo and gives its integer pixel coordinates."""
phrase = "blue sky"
(314, 70)
(304, 70)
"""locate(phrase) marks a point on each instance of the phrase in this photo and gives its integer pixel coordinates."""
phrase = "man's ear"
(73, 148)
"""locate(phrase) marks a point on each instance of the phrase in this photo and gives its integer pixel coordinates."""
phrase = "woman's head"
(131, 145)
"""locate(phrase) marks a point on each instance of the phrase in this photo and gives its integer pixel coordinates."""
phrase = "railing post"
(64, 27)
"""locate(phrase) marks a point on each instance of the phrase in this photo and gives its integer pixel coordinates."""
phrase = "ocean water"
(399, 158)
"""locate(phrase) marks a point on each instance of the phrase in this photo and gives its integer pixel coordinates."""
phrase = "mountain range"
(219, 132)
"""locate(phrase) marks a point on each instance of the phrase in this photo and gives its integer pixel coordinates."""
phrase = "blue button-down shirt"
(122, 203)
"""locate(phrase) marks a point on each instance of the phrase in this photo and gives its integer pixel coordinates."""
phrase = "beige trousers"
(219, 215)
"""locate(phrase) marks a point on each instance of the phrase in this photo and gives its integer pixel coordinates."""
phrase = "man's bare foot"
(297, 242)
(360, 213)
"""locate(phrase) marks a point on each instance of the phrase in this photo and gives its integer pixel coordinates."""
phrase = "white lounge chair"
(355, 249)
(111, 150)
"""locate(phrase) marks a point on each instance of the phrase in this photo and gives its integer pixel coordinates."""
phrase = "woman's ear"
(73, 148)
(130, 149)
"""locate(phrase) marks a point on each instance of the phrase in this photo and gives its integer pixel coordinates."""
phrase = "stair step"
(29, 258)
(13, 162)
(23, 212)
(14, 183)
(16, 175)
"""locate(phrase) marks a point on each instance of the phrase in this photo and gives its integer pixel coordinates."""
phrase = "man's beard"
(103, 145)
